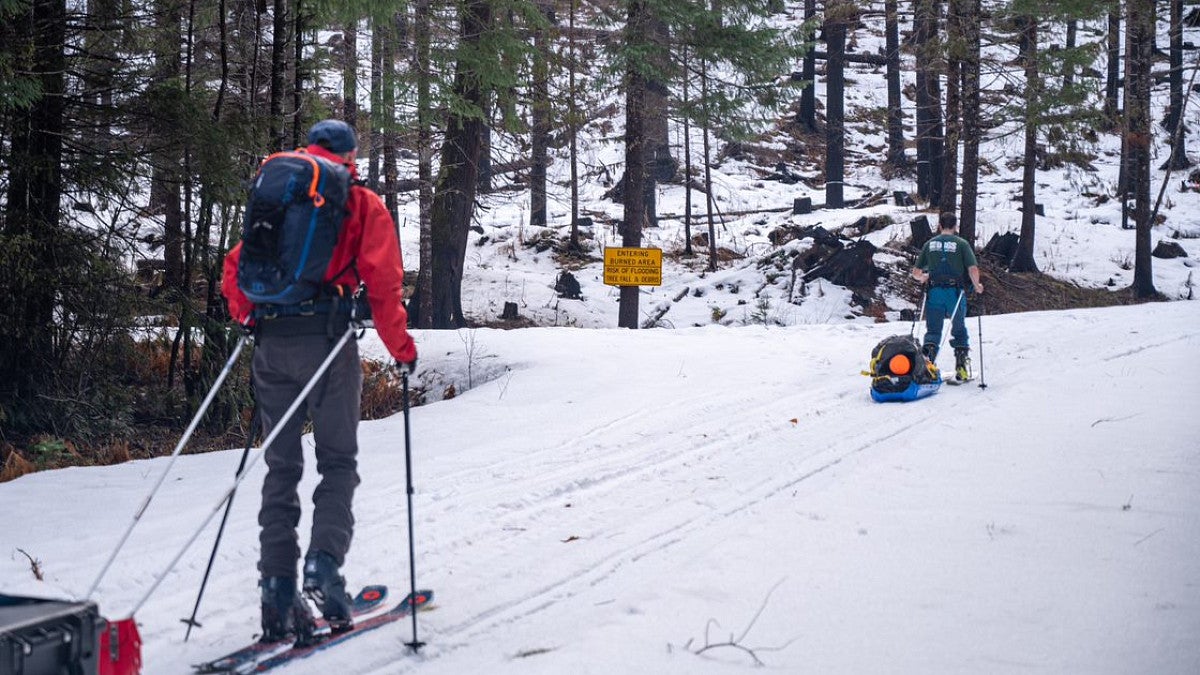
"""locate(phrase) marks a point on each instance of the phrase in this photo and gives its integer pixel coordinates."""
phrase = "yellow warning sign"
(633, 266)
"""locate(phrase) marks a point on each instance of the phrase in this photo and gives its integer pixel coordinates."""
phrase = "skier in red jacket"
(290, 347)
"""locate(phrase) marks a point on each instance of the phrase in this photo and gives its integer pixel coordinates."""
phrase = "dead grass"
(383, 391)
(14, 465)
(1007, 293)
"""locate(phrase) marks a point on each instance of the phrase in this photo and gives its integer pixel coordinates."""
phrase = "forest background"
(128, 131)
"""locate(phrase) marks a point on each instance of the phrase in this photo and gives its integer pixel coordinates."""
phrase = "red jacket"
(368, 240)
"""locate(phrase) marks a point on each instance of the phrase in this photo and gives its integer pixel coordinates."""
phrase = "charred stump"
(921, 231)
(567, 286)
(852, 266)
(1002, 247)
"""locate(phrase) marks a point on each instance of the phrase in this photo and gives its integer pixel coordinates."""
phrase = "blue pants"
(939, 304)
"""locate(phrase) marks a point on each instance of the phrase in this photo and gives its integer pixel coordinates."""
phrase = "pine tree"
(1139, 42)
(1051, 110)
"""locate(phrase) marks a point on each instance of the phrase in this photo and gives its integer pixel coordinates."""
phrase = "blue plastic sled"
(913, 392)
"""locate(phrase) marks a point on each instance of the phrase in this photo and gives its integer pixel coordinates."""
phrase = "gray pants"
(283, 364)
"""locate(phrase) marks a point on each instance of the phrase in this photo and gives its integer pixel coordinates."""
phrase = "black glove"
(407, 368)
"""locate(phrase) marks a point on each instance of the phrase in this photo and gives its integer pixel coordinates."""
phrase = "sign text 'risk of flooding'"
(632, 266)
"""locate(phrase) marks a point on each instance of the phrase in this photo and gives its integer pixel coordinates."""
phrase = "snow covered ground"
(609, 501)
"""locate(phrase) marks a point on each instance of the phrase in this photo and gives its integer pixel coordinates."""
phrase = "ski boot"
(930, 351)
(285, 615)
(962, 364)
(327, 589)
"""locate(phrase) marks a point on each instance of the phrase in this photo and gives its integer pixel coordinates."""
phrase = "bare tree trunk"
(279, 40)
(32, 208)
(1069, 74)
(929, 132)
(659, 164)
(636, 141)
(1139, 41)
(539, 132)
(298, 75)
(421, 39)
(350, 74)
(391, 169)
(458, 179)
(1113, 76)
(954, 66)
(895, 119)
(166, 180)
(1024, 261)
(970, 126)
(573, 132)
(808, 97)
(1174, 123)
(687, 156)
(709, 202)
(835, 102)
(379, 31)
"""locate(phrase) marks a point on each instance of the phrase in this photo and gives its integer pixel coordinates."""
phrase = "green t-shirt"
(946, 257)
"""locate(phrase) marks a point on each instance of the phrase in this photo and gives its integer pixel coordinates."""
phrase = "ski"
(403, 610)
(244, 660)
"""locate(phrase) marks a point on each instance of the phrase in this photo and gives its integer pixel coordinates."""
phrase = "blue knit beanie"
(338, 135)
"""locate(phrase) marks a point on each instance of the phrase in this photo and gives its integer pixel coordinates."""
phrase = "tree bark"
(970, 121)
(279, 40)
(1069, 74)
(573, 131)
(807, 116)
(379, 30)
(458, 178)
(835, 102)
(32, 210)
(1024, 261)
(709, 201)
(659, 163)
(1139, 41)
(1112, 79)
(895, 119)
(298, 131)
(633, 196)
(166, 159)
(929, 131)
(1174, 123)
(955, 38)
(687, 156)
(350, 74)
(421, 46)
(539, 132)
(389, 158)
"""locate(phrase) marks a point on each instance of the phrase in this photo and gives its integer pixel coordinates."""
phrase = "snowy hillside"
(602, 500)
(1079, 239)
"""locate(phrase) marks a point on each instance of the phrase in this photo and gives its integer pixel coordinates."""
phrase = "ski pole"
(167, 469)
(279, 426)
(416, 644)
(953, 313)
(979, 318)
(191, 622)
(920, 312)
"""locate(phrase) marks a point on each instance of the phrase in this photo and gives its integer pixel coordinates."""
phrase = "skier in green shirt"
(948, 264)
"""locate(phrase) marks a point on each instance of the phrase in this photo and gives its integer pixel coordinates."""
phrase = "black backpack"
(295, 211)
(913, 365)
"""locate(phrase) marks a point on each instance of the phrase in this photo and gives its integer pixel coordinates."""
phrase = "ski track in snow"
(674, 463)
(536, 503)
